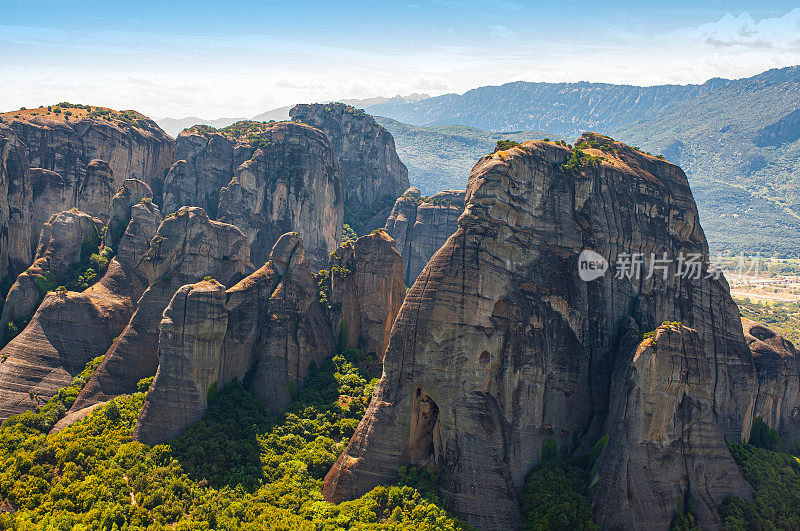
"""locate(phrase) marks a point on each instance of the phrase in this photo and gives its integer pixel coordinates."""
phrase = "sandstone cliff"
(776, 361)
(420, 225)
(373, 175)
(70, 328)
(367, 290)
(132, 144)
(265, 178)
(499, 344)
(269, 327)
(64, 241)
(186, 248)
(664, 442)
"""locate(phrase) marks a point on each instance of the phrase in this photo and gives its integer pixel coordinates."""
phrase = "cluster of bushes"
(503, 145)
(238, 468)
(580, 160)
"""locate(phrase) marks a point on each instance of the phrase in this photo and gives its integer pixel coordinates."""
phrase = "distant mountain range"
(738, 140)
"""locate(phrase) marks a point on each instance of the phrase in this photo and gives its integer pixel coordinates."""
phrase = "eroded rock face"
(373, 175)
(500, 344)
(776, 361)
(132, 192)
(13, 167)
(134, 149)
(205, 164)
(270, 325)
(69, 329)
(367, 291)
(186, 248)
(96, 189)
(421, 225)
(664, 442)
(265, 178)
(63, 239)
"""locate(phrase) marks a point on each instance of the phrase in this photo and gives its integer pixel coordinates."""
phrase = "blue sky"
(237, 58)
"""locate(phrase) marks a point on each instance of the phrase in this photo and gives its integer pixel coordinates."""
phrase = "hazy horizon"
(244, 58)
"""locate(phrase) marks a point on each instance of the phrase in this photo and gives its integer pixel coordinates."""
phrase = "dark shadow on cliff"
(223, 448)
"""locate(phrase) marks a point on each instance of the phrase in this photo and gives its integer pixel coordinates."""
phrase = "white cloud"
(743, 30)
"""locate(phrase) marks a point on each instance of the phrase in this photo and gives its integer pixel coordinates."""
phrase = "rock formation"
(69, 328)
(265, 178)
(664, 442)
(373, 175)
(65, 238)
(132, 144)
(776, 361)
(186, 248)
(367, 290)
(13, 168)
(96, 189)
(292, 182)
(499, 344)
(269, 327)
(421, 225)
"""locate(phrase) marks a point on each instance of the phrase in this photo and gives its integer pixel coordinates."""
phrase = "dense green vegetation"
(238, 468)
(556, 492)
(774, 474)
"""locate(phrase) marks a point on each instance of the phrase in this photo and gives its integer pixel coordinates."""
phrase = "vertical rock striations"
(664, 442)
(266, 330)
(265, 178)
(186, 248)
(500, 345)
(367, 291)
(776, 361)
(420, 225)
(132, 144)
(373, 175)
(64, 242)
(70, 328)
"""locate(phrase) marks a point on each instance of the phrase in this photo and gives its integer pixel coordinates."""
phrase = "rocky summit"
(373, 175)
(500, 345)
(265, 178)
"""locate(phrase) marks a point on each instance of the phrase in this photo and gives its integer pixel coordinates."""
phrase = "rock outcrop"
(265, 178)
(132, 144)
(186, 248)
(373, 175)
(64, 241)
(13, 168)
(292, 182)
(96, 189)
(70, 328)
(367, 291)
(270, 327)
(664, 442)
(420, 225)
(776, 361)
(500, 344)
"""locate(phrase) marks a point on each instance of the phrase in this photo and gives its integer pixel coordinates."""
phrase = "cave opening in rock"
(425, 441)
